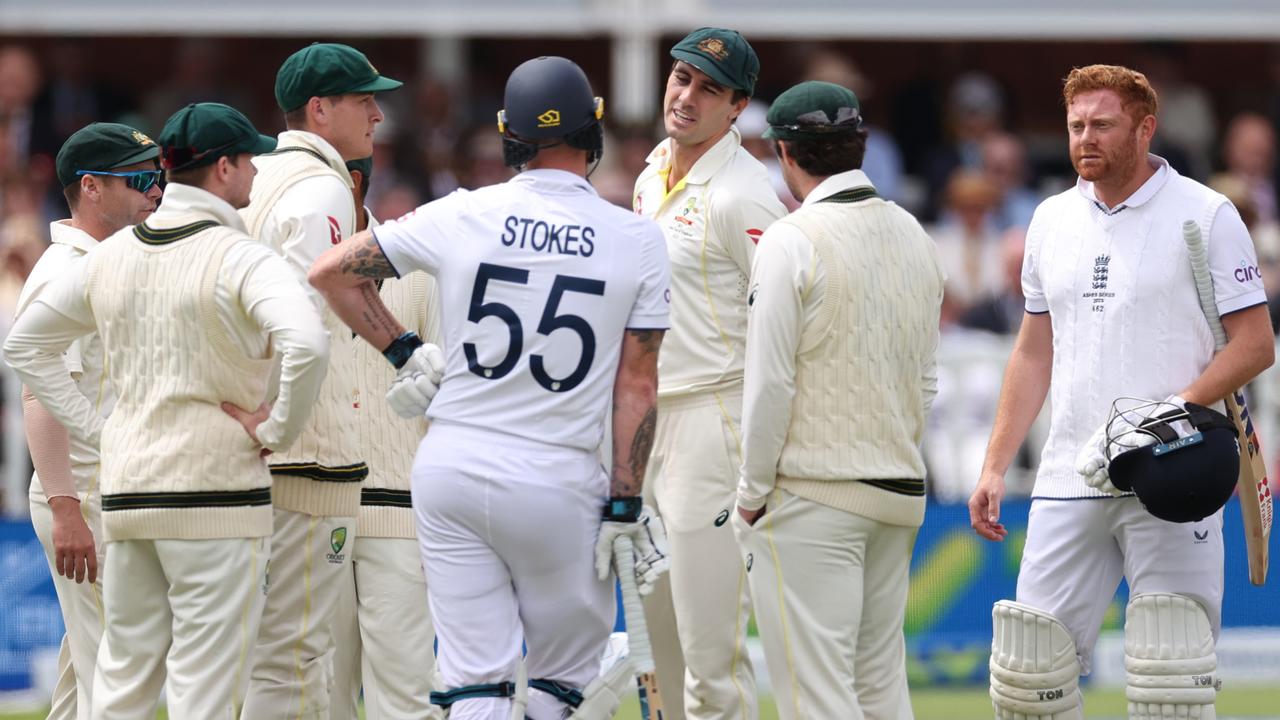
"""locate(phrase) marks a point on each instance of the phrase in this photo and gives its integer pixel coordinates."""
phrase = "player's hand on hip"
(984, 506)
(250, 421)
(649, 541)
(75, 555)
(751, 517)
(416, 382)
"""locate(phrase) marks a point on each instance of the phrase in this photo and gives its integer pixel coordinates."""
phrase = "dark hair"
(198, 176)
(737, 96)
(296, 118)
(825, 155)
(72, 194)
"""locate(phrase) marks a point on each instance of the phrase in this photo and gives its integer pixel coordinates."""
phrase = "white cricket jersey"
(539, 277)
(1125, 314)
(712, 219)
(84, 359)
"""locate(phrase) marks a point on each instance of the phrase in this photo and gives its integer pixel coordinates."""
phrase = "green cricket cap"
(200, 133)
(724, 55)
(813, 109)
(102, 146)
(324, 70)
(363, 165)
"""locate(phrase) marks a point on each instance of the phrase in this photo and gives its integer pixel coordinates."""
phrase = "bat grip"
(638, 648)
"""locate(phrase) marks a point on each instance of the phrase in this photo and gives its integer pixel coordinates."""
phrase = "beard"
(1115, 167)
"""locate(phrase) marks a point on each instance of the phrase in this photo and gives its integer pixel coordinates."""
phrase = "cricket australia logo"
(1098, 289)
(337, 540)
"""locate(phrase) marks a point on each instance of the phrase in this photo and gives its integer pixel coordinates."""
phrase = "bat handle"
(638, 648)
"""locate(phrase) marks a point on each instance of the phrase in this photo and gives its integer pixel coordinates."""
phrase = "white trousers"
(508, 529)
(185, 608)
(383, 638)
(830, 593)
(693, 472)
(293, 660)
(1077, 551)
(81, 607)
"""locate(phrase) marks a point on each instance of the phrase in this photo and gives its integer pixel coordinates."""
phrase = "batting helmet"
(549, 98)
(1191, 469)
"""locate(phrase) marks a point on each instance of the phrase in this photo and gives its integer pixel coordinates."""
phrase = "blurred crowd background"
(968, 136)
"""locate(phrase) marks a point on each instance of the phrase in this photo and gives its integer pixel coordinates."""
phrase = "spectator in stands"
(1002, 313)
(975, 111)
(20, 128)
(197, 74)
(1249, 151)
(1004, 162)
(1188, 125)
(968, 243)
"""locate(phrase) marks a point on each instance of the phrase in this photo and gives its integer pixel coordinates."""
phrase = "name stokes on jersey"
(542, 236)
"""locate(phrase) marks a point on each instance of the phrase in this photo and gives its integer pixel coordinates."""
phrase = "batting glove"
(416, 382)
(1119, 433)
(649, 540)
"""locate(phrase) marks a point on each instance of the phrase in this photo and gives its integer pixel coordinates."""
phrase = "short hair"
(1136, 94)
(197, 176)
(738, 93)
(72, 194)
(830, 154)
(296, 118)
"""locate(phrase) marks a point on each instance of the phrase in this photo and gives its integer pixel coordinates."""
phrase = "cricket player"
(189, 311)
(302, 204)
(846, 298)
(1112, 311)
(110, 174)
(553, 302)
(712, 200)
(383, 637)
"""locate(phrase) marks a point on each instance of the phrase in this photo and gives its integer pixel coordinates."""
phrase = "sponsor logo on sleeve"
(1247, 273)
(754, 235)
(335, 230)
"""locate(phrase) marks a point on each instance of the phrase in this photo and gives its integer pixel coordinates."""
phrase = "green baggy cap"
(200, 133)
(324, 70)
(102, 146)
(812, 109)
(724, 55)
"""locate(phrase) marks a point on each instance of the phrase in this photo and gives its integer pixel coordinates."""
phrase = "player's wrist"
(401, 349)
(623, 509)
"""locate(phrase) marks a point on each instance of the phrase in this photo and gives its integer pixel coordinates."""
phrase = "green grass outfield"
(972, 704)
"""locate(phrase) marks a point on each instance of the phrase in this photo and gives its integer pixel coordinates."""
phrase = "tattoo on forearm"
(642, 445)
(367, 259)
(650, 340)
(377, 314)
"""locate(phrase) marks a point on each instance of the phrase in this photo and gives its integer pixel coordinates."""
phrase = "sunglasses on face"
(140, 180)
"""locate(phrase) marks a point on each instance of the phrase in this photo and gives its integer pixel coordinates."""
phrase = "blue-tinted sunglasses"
(140, 180)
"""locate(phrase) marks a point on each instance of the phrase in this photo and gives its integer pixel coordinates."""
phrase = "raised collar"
(63, 232)
(837, 183)
(707, 166)
(315, 143)
(560, 181)
(1148, 190)
(181, 202)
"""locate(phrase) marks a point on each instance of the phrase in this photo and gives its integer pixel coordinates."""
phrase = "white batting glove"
(1118, 431)
(416, 382)
(649, 540)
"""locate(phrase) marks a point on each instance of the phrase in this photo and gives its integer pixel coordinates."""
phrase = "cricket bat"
(638, 648)
(1254, 491)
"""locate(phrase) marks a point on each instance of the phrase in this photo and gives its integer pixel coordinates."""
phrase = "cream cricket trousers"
(693, 472)
(830, 592)
(292, 672)
(383, 636)
(81, 606)
(185, 608)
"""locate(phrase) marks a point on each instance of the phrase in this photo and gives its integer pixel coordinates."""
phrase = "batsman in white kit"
(553, 302)
(1114, 330)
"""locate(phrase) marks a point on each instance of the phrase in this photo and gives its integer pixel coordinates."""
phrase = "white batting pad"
(1035, 674)
(1169, 658)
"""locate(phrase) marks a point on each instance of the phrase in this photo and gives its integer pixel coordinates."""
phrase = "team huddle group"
(282, 450)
